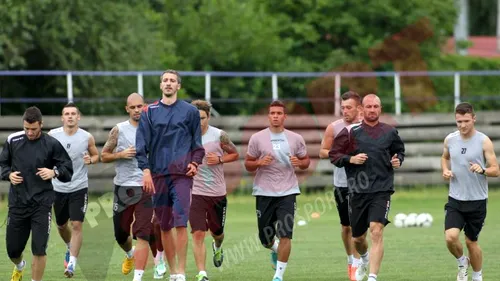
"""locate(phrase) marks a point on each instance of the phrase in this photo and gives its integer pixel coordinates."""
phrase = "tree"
(84, 35)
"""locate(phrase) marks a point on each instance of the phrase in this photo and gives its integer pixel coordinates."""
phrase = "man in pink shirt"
(273, 154)
(209, 203)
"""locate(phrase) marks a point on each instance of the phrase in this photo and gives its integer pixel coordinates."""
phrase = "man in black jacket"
(29, 160)
(370, 152)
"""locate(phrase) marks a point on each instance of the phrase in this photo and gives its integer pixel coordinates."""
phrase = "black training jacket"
(380, 143)
(26, 156)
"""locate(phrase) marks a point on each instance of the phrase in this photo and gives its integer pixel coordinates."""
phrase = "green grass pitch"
(317, 252)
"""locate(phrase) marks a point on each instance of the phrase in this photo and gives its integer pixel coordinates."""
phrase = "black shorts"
(70, 206)
(208, 212)
(365, 208)
(132, 205)
(466, 215)
(342, 202)
(22, 221)
(275, 216)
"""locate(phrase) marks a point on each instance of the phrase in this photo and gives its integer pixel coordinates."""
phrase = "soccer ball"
(424, 220)
(411, 220)
(399, 220)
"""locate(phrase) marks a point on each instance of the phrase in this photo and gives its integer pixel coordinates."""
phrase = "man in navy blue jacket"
(169, 150)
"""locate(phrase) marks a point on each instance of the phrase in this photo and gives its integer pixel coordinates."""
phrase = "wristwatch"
(220, 160)
(483, 171)
(56, 172)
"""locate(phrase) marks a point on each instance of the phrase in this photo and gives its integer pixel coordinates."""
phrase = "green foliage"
(232, 35)
(84, 35)
(472, 88)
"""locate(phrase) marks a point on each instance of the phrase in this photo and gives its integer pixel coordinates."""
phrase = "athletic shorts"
(365, 208)
(342, 202)
(22, 221)
(132, 204)
(208, 212)
(70, 206)
(466, 215)
(172, 200)
(275, 216)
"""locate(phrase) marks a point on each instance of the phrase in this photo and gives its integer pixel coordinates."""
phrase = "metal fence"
(272, 75)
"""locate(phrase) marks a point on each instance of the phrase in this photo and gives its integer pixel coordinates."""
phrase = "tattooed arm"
(231, 153)
(107, 154)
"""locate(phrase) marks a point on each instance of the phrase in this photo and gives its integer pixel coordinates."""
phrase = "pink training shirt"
(277, 179)
(209, 181)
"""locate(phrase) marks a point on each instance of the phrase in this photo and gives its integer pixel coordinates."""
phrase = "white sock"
(68, 244)
(130, 253)
(372, 277)
(355, 262)
(280, 269)
(203, 273)
(274, 248)
(138, 274)
(477, 275)
(462, 261)
(365, 258)
(159, 255)
(20, 266)
(350, 259)
(72, 260)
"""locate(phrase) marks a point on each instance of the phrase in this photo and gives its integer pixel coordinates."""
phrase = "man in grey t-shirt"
(468, 158)
(71, 198)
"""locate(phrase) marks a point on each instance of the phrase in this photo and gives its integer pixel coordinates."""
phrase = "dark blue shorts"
(172, 200)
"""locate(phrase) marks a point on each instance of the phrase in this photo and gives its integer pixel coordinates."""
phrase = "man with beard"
(370, 152)
(169, 151)
(71, 198)
(351, 108)
(131, 198)
(30, 160)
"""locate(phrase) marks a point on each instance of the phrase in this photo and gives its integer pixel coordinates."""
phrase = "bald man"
(131, 199)
(369, 152)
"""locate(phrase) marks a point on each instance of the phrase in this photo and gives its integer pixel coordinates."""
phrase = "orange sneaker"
(352, 273)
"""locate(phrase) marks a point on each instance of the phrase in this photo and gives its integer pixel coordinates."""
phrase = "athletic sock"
(350, 259)
(72, 260)
(462, 261)
(477, 275)
(130, 253)
(68, 244)
(280, 269)
(202, 273)
(20, 266)
(159, 255)
(372, 277)
(355, 262)
(138, 274)
(274, 248)
(365, 258)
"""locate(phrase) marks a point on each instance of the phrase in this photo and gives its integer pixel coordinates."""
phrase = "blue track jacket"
(169, 138)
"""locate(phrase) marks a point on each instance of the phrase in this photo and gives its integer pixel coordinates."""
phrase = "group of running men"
(168, 163)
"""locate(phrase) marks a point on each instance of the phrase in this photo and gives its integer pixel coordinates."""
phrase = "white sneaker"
(463, 272)
(180, 277)
(362, 270)
(478, 279)
(173, 277)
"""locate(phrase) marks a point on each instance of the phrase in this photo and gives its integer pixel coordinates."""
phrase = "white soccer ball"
(399, 220)
(411, 220)
(425, 220)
